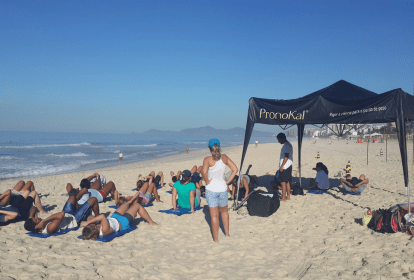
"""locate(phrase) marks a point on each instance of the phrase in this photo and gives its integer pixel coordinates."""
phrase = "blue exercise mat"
(47, 235)
(316, 191)
(107, 238)
(145, 205)
(352, 193)
(158, 187)
(180, 211)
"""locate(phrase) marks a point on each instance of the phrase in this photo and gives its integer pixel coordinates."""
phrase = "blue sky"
(130, 66)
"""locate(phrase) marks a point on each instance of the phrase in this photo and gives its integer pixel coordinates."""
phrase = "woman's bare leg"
(37, 202)
(153, 190)
(215, 223)
(194, 169)
(137, 208)
(225, 218)
(29, 186)
(123, 208)
(5, 197)
(162, 178)
(109, 188)
(19, 186)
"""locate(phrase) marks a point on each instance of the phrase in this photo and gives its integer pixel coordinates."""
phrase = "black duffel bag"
(263, 204)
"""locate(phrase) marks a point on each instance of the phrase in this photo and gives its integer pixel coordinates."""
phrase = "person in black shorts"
(195, 176)
(285, 166)
(157, 180)
(22, 198)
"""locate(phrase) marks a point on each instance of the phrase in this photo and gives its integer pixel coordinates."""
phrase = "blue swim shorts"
(122, 220)
(215, 199)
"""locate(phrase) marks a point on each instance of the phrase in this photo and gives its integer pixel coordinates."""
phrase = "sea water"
(33, 154)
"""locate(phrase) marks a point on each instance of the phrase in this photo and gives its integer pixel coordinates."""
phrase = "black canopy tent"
(339, 103)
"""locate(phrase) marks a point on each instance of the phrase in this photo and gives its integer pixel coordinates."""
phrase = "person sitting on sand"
(70, 217)
(321, 181)
(122, 219)
(22, 197)
(353, 184)
(244, 186)
(94, 189)
(188, 195)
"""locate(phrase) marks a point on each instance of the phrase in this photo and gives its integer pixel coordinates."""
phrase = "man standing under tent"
(285, 166)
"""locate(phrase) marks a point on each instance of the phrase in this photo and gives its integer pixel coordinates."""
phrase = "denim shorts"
(215, 199)
(81, 213)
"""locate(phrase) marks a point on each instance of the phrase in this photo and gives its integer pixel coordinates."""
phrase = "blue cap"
(213, 141)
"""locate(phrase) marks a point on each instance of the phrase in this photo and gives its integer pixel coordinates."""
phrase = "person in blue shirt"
(188, 195)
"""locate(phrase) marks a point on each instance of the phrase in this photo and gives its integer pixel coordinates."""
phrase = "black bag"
(297, 190)
(263, 204)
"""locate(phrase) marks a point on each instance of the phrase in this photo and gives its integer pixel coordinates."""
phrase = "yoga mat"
(352, 193)
(316, 191)
(180, 211)
(158, 187)
(47, 235)
(145, 205)
(107, 238)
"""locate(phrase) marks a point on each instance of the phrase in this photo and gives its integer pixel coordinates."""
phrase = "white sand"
(309, 237)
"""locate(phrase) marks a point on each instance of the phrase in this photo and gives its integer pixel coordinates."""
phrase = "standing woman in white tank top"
(214, 167)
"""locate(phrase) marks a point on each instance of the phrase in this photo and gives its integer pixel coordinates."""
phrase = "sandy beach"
(309, 237)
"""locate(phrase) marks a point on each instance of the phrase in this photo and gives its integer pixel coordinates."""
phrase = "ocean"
(33, 154)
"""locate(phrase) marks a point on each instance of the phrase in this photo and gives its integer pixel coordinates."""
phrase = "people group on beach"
(22, 203)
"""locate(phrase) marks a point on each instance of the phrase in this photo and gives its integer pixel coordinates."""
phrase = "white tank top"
(113, 223)
(216, 174)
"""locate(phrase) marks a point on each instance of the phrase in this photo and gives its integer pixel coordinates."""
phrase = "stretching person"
(174, 178)
(148, 191)
(122, 219)
(195, 176)
(214, 167)
(188, 195)
(22, 197)
(94, 189)
(70, 217)
(354, 184)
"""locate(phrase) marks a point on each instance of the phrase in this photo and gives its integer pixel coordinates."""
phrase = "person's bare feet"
(288, 198)
(284, 200)
(152, 223)
(159, 200)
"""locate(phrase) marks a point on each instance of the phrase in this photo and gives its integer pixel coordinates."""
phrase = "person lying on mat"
(353, 184)
(244, 186)
(122, 219)
(148, 191)
(22, 197)
(70, 217)
(196, 177)
(174, 178)
(157, 180)
(188, 195)
(321, 181)
(94, 189)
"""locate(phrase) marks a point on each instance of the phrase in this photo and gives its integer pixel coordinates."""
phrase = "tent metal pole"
(386, 147)
(367, 150)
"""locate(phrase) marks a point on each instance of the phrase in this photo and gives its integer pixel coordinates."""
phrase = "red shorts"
(103, 194)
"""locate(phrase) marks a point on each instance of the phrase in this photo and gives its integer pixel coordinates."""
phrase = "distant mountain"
(208, 131)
